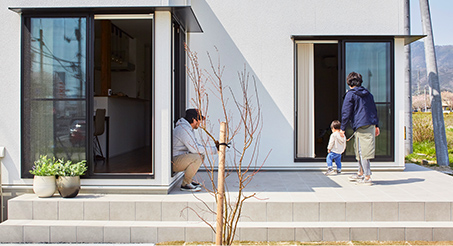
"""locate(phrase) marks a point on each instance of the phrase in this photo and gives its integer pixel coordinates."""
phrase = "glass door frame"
(89, 91)
(123, 16)
(342, 40)
(343, 87)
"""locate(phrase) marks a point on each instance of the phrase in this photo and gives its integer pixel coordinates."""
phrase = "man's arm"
(191, 143)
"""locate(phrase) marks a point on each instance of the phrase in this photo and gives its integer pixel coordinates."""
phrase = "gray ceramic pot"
(68, 186)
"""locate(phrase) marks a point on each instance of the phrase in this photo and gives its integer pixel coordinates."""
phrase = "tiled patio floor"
(415, 204)
(415, 183)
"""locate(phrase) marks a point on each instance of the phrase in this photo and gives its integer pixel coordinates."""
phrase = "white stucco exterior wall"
(94, 3)
(10, 72)
(163, 106)
(10, 100)
(399, 102)
(254, 33)
(258, 34)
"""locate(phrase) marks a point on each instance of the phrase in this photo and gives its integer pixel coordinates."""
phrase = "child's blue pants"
(334, 157)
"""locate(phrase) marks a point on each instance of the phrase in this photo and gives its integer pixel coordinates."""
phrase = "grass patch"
(423, 138)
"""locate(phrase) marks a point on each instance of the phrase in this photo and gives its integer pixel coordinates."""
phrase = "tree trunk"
(408, 81)
(440, 138)
(221, 184)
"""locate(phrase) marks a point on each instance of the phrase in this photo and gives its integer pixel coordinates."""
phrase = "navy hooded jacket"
(358, 109)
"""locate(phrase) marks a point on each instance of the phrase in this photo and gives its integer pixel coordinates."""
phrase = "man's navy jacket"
(358, 109)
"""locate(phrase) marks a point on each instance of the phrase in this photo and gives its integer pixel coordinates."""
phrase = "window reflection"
(372, 60)
(54, 101)
(57, 53)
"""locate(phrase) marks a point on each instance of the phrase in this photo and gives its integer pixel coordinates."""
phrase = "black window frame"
(178, 77)
(89, 14)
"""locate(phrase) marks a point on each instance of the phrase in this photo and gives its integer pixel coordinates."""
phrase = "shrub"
(70, 169)
(422, 127)
(44, 166)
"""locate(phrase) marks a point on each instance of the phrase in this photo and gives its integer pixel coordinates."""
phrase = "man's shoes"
(190, 187)
(355, 177)
(196, 184)
(364, 182)
(338, 171)
(329, 171)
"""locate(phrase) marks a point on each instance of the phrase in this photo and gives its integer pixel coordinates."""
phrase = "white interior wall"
(126, 81)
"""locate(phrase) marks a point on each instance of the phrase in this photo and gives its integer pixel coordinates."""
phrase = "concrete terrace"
(415, 204)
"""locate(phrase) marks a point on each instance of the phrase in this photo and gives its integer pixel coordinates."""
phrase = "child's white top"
(337, 144)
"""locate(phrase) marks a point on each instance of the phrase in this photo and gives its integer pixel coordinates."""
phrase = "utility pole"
(408, 81)
(418, 80)
(440, 138)
(424, 97)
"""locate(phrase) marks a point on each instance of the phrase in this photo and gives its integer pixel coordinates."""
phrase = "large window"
(54, 105)
(321, 69)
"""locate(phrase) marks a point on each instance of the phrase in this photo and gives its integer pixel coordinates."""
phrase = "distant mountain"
(444, 55)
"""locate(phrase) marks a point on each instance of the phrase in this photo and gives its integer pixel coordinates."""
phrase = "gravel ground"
(443, 169)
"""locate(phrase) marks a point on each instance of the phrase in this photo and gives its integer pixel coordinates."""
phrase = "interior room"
(122, 86)
(326, 94)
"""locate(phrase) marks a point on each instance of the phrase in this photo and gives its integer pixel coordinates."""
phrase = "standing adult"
(359, 110)
(188, 154)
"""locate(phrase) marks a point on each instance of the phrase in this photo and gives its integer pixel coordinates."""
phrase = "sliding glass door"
(373, 61)
(321, 70)
(54, 89)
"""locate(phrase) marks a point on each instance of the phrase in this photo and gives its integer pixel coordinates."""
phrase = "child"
(335, 148)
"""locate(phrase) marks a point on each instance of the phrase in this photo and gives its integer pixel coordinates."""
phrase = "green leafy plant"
(70, 169)
(44, 166)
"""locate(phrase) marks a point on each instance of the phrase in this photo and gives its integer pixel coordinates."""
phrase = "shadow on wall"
(278, 133)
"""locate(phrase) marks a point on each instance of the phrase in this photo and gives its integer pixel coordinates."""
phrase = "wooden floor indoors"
(136, 161)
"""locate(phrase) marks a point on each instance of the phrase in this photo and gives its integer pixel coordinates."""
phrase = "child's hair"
(335, 124)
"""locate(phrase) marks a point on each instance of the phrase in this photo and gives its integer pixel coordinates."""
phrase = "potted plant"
(68, 181)
(44, 179)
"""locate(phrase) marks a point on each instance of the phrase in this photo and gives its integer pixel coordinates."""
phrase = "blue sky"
(441, 19)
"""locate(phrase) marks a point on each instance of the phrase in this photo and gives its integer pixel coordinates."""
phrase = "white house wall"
(93, 3)
(399, 102)
(258, 34)
(10, 99)
(10, 74)
(254, 33)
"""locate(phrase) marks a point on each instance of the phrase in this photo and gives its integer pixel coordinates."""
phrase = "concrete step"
(70, 231)
(189, 208)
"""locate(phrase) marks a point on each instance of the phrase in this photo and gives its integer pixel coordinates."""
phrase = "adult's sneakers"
(190, 187)
(196, 184)
(355, 177)
(364, 182)
(329, 171)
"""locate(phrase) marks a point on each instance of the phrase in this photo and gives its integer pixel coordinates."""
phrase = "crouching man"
(188, 154)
